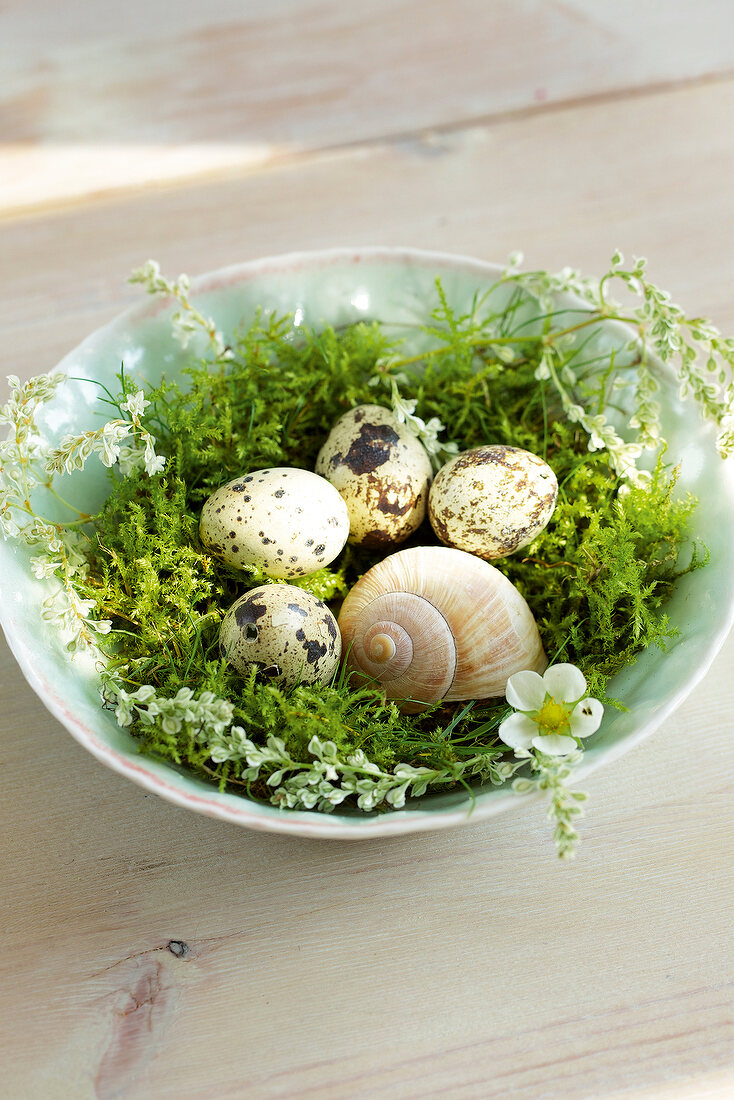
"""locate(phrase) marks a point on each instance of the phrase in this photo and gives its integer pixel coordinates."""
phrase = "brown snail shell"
(433, 623)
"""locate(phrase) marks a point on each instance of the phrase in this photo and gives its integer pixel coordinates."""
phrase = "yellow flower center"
(553, 717)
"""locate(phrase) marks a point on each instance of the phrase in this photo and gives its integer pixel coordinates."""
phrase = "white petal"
(518, 731)
(525, 691)
(565, 683)
(586, 717)
(554, 744)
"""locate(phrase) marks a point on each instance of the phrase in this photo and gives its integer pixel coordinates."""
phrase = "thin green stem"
(84, 517)
(549, 338)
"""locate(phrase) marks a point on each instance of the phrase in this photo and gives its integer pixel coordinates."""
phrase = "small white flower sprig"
(427, 432)
(106, 442)
(202, 714)
(694, 347)
(588, 384)
(403, 409)
(322, 782)
(62, 564)
(326, 780)
(187, 321)
(59, 560)
(23, 454)
(27, 464)
(553, 712)
(556, 365)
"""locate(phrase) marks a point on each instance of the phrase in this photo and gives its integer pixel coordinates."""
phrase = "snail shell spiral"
(433, 623)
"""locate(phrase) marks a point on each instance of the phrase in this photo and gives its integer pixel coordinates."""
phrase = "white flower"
(135, 403)
(132, 458)
(553, 711)
(124, 709)
(404, 411)
(44, 566)
(9, 528)
(150, 276)
(153, 463)
(110, 437)
(73, 451)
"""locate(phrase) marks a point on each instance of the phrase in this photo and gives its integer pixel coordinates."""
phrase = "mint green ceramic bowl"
(340, 286)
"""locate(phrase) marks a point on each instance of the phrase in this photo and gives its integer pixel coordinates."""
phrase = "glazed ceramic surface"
(339, 287)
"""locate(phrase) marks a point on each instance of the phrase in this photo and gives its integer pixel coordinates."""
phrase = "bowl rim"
(314, 824)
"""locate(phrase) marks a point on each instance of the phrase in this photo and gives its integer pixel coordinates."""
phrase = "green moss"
(596, 579)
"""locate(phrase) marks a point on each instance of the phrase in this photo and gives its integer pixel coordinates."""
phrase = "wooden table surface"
(149, 952)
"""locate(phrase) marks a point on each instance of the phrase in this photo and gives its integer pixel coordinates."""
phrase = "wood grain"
(97, 98)
(566, 188)
(466, 964)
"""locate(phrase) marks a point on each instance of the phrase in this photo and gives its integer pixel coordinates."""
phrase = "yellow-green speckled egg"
(289, 633)
(287, 522)
(492, 500)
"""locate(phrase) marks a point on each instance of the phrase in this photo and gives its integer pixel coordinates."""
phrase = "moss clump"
(596, 579)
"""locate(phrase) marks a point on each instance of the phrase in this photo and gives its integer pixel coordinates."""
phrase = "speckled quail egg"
(381, 470)
(492, 500)
(291, 634)
(288, 522)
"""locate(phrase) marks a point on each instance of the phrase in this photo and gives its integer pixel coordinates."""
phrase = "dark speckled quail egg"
(287, 522)
(492, 500)
(381, 470)
(289, 633)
